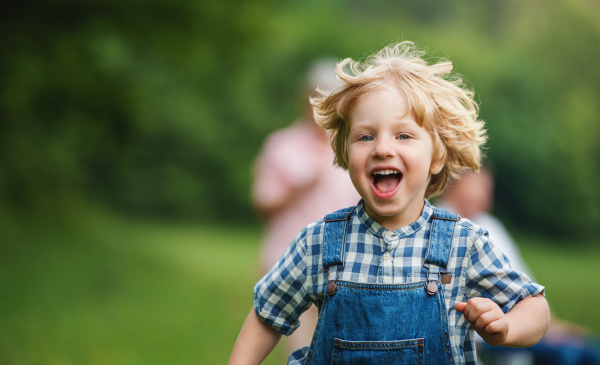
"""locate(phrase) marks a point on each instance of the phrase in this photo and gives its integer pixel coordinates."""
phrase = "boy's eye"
(366, 138)
(403, 137)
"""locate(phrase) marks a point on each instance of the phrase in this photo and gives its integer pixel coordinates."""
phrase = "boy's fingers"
(477, 302)
(496, 326)
(478, 311)
(486, 319)
(475, 308)
(460, 306)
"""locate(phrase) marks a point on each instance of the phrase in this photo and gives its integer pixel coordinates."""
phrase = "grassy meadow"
(107, 289)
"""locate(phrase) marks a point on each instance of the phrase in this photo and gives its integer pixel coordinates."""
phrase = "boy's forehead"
(388, 103)
(387, 93)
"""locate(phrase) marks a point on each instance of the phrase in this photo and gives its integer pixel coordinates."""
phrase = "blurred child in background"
(296, 183)
(565, 343)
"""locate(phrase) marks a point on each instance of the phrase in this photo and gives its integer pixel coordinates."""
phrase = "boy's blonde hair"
(439, 101)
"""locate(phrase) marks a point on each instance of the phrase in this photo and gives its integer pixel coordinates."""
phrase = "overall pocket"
(405, 352)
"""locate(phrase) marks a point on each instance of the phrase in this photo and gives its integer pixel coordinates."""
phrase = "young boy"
(396, 280)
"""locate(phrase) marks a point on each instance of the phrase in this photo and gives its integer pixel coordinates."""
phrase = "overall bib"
(383, 323)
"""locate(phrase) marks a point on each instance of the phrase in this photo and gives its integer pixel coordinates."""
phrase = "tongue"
(387, 183)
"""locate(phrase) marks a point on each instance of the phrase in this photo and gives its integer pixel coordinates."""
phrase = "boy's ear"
(437, 166)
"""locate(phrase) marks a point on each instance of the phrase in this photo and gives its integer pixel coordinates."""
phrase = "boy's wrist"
(527, 322)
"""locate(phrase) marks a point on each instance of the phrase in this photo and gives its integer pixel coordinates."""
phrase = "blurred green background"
(128, 130)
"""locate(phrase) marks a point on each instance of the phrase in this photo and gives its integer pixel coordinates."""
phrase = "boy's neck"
(399, 220)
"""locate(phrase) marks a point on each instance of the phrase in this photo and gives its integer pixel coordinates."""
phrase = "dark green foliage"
(158, 108)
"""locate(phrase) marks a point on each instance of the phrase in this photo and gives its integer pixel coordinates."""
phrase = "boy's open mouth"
(385, 182)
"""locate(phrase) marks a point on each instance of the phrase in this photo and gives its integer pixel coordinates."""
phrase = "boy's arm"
(255, 342)
(523, 326)
(279, 299)
(495, 287)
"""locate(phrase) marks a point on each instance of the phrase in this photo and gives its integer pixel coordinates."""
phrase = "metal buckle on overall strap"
(332, 287)
(433, 286)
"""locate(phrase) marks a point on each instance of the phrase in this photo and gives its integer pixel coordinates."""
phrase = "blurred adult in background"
(296, 183)
(565, 343)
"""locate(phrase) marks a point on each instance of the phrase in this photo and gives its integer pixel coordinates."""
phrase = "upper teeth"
(386, 172)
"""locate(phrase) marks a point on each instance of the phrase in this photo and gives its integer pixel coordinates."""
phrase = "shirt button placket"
(388, 270)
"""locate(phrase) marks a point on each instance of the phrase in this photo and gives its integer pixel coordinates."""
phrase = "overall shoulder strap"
(440, 239)
(334, 237)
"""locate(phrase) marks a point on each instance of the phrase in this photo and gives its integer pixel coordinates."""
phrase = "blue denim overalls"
(383, 323)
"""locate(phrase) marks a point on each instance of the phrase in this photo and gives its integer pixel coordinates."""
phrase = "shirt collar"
(402, 232)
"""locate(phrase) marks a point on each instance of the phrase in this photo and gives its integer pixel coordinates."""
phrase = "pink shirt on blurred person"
(296, 165)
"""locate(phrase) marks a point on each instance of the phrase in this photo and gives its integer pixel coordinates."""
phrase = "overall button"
(387, 256)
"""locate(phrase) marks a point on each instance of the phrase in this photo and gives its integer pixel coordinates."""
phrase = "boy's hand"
(487, 318)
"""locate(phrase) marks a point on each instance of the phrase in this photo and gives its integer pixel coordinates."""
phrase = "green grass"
(113, 290)
(121, 291)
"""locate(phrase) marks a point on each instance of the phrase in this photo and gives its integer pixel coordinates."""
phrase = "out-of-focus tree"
(125, 101)
(544, 117)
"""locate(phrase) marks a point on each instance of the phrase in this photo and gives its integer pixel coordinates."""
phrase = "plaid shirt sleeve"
(282, 294)
(490, 275)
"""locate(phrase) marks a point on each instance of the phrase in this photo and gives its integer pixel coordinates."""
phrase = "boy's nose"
(383, 149)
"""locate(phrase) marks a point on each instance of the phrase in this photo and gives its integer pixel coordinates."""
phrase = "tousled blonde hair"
(438, 99)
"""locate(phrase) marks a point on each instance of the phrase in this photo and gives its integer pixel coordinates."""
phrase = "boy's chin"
(388, 214)
(394, 212)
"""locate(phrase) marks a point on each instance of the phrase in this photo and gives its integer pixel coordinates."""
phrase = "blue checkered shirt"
(375, 255)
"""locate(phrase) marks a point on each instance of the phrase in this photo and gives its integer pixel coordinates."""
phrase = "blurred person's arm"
(271, 193)
(255, 342)
(285, 169)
